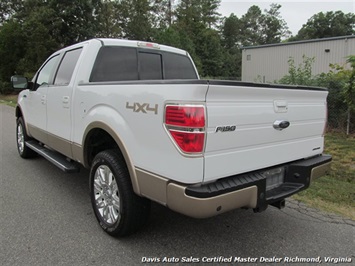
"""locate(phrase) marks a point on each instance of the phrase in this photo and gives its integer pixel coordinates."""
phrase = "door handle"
(43, 99)
(65, 99)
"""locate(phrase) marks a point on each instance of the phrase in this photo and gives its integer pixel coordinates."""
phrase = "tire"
(119, 211)
(22, 137)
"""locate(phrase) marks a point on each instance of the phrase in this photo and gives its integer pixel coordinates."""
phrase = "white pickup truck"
(140, 118)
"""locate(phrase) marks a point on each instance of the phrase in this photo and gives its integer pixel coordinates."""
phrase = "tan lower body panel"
(152, 186)
(207, 207)
(320, 170)
(173, 195)
(59, 144)
(37, 133)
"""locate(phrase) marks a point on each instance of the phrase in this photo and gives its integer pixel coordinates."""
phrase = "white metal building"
(267, 63)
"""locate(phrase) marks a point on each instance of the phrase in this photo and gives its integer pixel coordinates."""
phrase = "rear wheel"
(118, 209)
(22, 137)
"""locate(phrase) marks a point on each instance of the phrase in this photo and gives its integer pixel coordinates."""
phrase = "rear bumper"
(245, 190)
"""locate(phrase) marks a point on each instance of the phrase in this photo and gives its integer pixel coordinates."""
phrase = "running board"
(54, 157)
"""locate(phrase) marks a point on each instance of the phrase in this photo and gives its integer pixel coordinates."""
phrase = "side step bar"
(54, 157)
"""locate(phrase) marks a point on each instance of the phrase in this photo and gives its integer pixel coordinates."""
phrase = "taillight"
(186, 126)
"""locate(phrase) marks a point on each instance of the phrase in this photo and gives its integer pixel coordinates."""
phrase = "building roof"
(300, 42)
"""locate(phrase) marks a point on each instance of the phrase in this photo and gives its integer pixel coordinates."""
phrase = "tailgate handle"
(280, 106)
(281, 124)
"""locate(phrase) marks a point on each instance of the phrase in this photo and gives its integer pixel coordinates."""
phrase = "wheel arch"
(18, 111)
(109, 139)
(18, 114)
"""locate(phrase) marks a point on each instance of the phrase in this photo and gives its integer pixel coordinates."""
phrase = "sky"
(295, 13)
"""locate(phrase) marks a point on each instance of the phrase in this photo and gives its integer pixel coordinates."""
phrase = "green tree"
(232, 63)
(195, 22)
(136, 19)
(74, 20)
(263, 28)
(255, 27)
(8, 9)
(36, 28)
(107, 19)
(188, 17)
(12, 49)
(164, 13)
(209, 15)
(210, 53)
(231, 31)
(329, 24)
(274, 27)
(251, 30)
(67, 21)
(41, 40)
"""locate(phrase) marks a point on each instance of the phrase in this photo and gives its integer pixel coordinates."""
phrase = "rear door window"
(67, 67)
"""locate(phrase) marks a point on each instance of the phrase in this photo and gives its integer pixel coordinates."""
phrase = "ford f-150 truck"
(139, 117)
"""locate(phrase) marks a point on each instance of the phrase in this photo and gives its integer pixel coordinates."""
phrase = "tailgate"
(248, 127)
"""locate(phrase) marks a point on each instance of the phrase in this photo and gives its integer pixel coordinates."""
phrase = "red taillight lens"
(189, 142)
(185, 116)
(186, 125)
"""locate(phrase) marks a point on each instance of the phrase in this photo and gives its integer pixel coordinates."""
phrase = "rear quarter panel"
(144, 135)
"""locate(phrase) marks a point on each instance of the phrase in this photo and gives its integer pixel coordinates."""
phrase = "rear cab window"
(150, 66)
(117, 63)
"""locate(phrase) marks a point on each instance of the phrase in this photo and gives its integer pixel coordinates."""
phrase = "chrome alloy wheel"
(20, 138)
(107, 196)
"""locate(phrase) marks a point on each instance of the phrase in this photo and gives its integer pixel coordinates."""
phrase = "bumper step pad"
(297, 177)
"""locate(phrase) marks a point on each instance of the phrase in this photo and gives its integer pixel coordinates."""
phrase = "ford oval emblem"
(281, 124)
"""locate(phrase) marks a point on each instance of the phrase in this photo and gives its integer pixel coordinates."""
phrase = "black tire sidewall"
(102, 159)
(27, 152)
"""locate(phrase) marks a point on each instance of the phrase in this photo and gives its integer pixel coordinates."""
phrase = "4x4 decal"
(142, 107)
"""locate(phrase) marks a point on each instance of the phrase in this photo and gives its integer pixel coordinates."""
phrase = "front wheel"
(118, 209)
(22, 137)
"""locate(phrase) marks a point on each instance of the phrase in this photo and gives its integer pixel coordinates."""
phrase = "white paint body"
(255, 144)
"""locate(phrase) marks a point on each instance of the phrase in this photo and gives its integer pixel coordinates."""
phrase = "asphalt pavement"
(46, 219)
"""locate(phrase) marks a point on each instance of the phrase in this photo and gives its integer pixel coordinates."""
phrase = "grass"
(335, 192)
(8, 99)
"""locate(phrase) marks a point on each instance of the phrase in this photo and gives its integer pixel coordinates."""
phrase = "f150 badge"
(225, 128)
(142, 107)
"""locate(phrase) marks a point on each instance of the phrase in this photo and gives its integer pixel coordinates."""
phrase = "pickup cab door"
(36, 101)
(59, 103)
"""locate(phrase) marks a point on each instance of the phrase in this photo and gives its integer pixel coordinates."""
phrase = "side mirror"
(19, 82)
